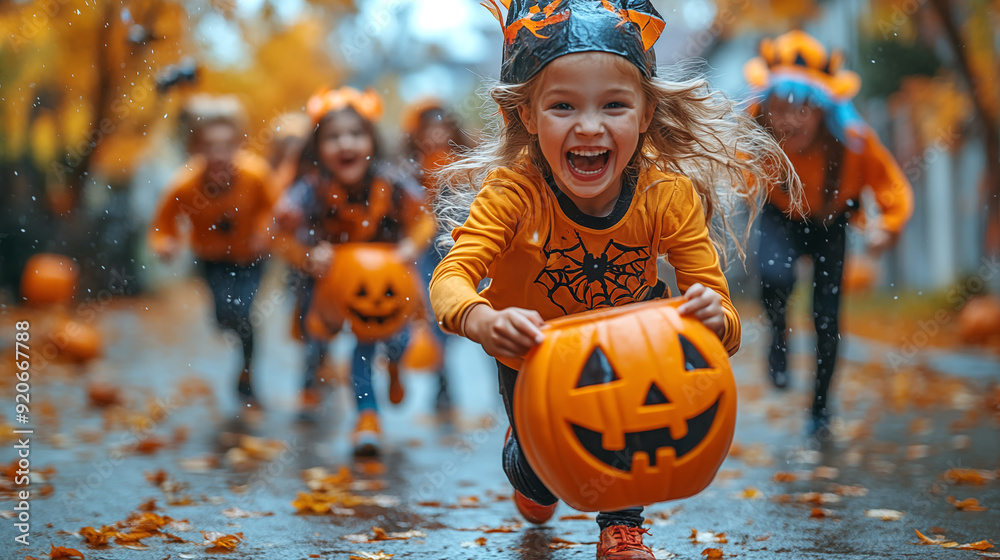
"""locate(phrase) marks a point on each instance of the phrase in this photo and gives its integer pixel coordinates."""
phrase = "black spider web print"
(612, 277)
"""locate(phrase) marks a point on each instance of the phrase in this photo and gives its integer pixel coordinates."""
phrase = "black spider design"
(613, 277)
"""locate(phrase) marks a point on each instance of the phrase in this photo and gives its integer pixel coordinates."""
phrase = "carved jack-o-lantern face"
(371, 287)
(624, 407)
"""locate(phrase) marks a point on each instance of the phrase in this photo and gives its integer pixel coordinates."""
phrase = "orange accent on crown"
(797, 48)
(532, 23)
(798, 53)
(367, 104)
(495, 10)
(650, 27)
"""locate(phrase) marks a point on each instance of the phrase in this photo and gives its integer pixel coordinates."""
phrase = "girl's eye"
(615, 105)
(562, 107)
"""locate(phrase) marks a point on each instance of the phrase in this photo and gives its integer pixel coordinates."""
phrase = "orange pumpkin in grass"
(626, 406)
(78, 342)
(979, 320)
(860, 274)
(48, 279)
(369, 286)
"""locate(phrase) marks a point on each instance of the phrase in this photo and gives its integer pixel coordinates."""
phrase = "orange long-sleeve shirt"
(388, 212)
(542, 253)
(227, 223)
(872, 166)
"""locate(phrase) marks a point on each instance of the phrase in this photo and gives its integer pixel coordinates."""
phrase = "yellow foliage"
(287, 68)
(937, 106)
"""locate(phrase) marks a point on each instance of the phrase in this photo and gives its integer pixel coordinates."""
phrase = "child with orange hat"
(805, 100)
(596, 169)
(344, 192)
(224, 196)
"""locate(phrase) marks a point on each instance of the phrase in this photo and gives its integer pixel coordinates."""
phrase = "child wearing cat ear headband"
(593, 157)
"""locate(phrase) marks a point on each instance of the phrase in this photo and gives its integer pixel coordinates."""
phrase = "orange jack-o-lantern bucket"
(626, 406)
(48, 279)
(369, 286)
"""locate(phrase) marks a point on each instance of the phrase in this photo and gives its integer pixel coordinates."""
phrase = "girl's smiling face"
(346, 147)
(588, 110)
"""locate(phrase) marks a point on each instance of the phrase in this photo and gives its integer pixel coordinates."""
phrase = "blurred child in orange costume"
(596, 169)
(344, 192)
(433, 136)
(223, 194)
(806, 102)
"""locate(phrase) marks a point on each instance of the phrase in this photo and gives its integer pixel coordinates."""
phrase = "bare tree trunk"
(991, 128)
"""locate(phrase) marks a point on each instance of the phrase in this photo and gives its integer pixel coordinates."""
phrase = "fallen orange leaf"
(979, 545)
(705, 536)
(578, 517)
(849, 490)
(819, 513)
(157, 478)
(380, 555)
(150, 445)
(927, 540)
(218, 542)
(562, 544)
(782, 476)
(63, 552)
(98, 538)
(968, 504)
(371, 467)
(969, 476)
(502, 529)
(712, 553)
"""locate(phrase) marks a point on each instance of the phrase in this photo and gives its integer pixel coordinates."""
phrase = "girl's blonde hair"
(696, 131)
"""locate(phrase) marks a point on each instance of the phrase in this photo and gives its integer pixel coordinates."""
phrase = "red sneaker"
(531, 511)
(621, 542)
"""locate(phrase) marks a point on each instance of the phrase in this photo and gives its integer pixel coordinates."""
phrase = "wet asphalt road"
(897, 435)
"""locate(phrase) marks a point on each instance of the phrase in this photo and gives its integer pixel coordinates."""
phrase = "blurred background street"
(137, 428)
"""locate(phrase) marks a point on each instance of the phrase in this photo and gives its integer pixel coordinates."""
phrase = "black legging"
(782, 242)
(523, 478)
(233, 289)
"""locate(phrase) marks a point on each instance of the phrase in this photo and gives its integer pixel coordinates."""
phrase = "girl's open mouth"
(588, 162)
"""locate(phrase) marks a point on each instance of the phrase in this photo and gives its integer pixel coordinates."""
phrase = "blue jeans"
(361, 366)
(426, 265)
(523, 478)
